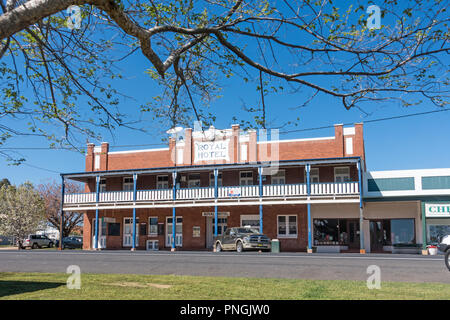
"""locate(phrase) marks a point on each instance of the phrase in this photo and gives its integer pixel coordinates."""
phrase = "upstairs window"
(279, 177)
(162, 182)
(128, 184)
(219, 179)
(194, 180)
(313, 175)
(246, 178)
(102, 185)
(342, 174)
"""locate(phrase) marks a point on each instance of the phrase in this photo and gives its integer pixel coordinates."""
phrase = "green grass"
(123, 286)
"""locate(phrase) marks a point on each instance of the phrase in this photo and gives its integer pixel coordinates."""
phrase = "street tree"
(67, 51)
(22, 211)
(51, 194)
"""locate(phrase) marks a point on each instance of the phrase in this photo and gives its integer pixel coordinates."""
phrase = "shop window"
(402, 232)
(162, 182)
(436, 231)
(287, 226)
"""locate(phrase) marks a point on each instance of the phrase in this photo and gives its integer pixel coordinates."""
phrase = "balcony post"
(308, 206)
(216, 193)
(133, 247)
(174, 220)
(97, 197)
(362, 249)
(61, 226)
(260, 169)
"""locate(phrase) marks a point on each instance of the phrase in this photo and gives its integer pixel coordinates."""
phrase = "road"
(408, 268)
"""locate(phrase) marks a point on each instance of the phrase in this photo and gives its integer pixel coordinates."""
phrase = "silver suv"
(37, 241)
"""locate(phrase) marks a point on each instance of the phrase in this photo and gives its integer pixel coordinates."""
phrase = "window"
(436, 230)
(162, 182)
(194, 180)
(287, 226)
(246, 178)
(219, 179)
(102, 185)
(342, 174)
(330, 232)
(250, 220)
(153, 226)
(113, 229)
(402, 232)
(279, 177)
(313, 175)
(128, 184)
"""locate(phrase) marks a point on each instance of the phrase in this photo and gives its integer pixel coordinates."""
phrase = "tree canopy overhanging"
(320, 47)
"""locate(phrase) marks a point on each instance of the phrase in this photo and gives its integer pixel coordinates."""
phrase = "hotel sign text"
(210, 151)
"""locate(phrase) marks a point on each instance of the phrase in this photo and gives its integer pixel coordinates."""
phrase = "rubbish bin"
(432, 250)
(275, 245)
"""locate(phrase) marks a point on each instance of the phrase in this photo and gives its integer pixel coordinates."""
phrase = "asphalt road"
(409, 268)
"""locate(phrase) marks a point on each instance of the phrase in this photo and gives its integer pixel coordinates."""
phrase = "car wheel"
(218, 247)
(447, 259)
(34, 246)
(239, 247)
(50, 245)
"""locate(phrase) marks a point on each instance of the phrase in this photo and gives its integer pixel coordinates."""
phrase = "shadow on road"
(10, 287)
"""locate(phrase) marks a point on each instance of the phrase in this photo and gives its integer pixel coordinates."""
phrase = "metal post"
(308, 206)
(216, 193)
(362, 250)
(260, 199)
(61, 227)
(424, 229)
(133, 247)
(174, 221)
(97, 191)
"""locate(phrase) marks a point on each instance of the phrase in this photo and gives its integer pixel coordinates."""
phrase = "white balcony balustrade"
(225, 192)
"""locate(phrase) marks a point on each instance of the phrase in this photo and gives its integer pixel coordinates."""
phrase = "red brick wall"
(193, 217)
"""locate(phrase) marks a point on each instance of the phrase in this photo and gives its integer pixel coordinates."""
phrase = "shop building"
(406, 210)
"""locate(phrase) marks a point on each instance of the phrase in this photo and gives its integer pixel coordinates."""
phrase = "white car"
(444, 246)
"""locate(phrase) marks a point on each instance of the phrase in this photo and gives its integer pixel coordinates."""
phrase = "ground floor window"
(392, 232)
(250, 220)
(287, 226)
(330, 232)
(153, 226)
(436, 230)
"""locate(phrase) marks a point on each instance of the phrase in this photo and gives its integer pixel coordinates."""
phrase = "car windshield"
(247, 230)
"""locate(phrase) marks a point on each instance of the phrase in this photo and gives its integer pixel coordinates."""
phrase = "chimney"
(90, 157)
(339, 137)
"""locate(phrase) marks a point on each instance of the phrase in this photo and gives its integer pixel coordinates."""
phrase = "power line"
(281, 132)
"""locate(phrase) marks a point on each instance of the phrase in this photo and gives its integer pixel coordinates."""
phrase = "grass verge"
(129, 286)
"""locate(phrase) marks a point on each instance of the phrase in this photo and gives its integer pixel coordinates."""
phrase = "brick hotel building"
(308, 193)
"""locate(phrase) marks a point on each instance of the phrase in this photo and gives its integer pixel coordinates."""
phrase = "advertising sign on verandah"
(437, 210)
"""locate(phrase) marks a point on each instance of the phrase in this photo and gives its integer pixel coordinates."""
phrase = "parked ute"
(37, 241)
(242, 238)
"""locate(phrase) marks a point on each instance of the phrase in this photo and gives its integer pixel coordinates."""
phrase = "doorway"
(353, 234)
(221, 227)
(178, 232)
(101, 234)
(376, 236)
(128, 232)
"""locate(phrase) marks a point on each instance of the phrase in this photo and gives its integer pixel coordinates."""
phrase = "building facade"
(312, 194)
(207, 181)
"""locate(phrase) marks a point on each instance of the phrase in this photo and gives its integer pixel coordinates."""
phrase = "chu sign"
(208, 151)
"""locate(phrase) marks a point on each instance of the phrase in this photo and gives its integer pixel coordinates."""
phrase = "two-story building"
(304, 192)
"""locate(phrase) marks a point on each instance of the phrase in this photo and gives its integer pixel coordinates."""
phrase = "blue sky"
(407, 143)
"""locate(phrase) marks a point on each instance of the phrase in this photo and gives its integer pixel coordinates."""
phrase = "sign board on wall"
(210, 151)
(435, 210)
(219, 214)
